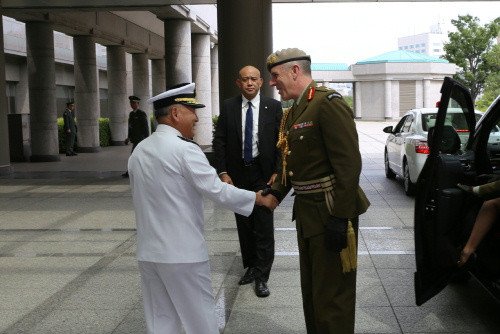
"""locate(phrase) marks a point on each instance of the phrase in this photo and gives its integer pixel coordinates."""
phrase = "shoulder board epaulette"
(321, 88)
(188, 140)
(334, 95)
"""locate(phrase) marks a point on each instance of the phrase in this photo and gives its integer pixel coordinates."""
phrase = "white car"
(406, 148)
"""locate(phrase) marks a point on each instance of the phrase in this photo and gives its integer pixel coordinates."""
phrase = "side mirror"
(388, 129)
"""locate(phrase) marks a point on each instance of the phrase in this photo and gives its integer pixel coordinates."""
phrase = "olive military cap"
(180, 94)
(285, 56)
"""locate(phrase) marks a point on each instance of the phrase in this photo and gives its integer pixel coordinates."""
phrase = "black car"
(444, 214)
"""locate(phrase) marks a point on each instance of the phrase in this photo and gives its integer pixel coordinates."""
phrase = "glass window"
(407, 125)
(423, 44)
(412, 46)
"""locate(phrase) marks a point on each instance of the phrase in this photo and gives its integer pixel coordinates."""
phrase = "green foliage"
(492, 83)
(349, 100)
(104, 133)
(215, 119)
(468, 49)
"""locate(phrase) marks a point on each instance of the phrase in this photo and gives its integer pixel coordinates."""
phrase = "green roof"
(329, 67)
(402, 57)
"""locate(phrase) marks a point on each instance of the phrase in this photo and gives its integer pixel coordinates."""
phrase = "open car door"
(440, 209)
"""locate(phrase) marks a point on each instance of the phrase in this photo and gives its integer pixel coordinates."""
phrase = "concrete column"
(203, 80)
(178, 52)
(427, 94)
(357, 100)
(5, 167)
(158, 83)
(214, 72)
(42, 91)
(140, 81)
(387, 100)
(240, 46)
(118, 105)
(86, 94)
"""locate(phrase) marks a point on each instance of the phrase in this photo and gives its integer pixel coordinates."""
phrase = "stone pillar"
(158, 83)
(214, 72)
(427, 94)
(202, 78)
(240, 46)
(178, 52)
(42, 91)
(5, 167)
(118, 104)
(387, 100)
(140, 82)
(86, 94)
(357, 100)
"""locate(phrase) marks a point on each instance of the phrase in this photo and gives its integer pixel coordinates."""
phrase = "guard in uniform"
(70, 128)
(138, 127)
(322, 163)
(169, 177)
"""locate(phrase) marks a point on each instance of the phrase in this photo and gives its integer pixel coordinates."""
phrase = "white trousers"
(176, 295)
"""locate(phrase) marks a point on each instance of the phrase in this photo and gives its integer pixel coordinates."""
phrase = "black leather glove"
(271, 191)
(336, 234)
(464, 187)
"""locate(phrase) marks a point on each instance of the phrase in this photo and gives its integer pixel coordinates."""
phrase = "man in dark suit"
(246, 156)
(138, 128)
(70, 128)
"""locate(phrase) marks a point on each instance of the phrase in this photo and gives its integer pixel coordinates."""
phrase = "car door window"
(407, 124)
(400, 124)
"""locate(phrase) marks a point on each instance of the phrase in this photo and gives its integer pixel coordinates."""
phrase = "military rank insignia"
(303, 125)
(188, 140)
(334, 96)
(310, 93)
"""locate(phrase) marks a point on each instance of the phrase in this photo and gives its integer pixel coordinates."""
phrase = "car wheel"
(388, 171)
(409, 186)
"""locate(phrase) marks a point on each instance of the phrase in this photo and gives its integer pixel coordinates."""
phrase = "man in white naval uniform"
(169, 177)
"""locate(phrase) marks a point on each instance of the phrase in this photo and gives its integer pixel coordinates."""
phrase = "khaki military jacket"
(322, 140)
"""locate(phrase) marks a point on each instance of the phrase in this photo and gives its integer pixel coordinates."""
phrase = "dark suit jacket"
(228, 138)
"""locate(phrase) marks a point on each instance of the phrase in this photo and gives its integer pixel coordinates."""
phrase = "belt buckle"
(247, 164)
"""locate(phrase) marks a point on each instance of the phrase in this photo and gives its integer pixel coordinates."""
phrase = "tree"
(468, 48)
(492, 83)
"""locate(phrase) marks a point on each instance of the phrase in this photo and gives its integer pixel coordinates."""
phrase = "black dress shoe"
(68, 154)
(74, 153)
(125, 174)
(261, 289)
(249, 276)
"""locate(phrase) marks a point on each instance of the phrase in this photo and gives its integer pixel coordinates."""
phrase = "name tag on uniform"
(303, 125)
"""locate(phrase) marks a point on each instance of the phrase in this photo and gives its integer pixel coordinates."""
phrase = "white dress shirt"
(169, 177)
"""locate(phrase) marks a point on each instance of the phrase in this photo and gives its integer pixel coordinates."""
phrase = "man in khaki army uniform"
(322, 163)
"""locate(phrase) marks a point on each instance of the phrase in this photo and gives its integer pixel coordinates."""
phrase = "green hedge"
(104, 133)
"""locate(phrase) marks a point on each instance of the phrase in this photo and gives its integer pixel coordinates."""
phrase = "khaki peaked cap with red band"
(181, 94)
(285, 56)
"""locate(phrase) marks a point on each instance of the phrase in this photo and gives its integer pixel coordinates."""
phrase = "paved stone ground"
(67, 247)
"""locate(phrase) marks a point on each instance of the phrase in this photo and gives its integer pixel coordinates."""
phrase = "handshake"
(269, 202)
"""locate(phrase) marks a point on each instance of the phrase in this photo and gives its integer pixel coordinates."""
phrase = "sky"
(352, 32)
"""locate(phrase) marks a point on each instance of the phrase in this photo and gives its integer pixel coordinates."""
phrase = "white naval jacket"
(169, 177)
